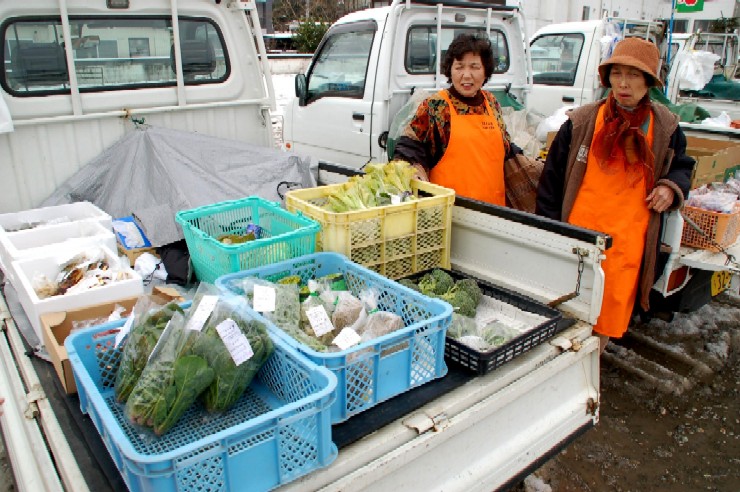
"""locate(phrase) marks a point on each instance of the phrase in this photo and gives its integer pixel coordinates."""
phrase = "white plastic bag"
(722, 120)
(552, 123)
(695, 69)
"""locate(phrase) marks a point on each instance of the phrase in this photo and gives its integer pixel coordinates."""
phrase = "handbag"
(521, 178)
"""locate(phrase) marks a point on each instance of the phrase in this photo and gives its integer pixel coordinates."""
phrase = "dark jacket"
(565, 168)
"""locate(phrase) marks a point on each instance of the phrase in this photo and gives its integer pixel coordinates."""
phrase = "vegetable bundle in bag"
(214, 352)
(138, 346)
(236, 349)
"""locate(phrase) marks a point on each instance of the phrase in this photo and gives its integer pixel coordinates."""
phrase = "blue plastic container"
(282, 235)
(278, 431)
(379, 369)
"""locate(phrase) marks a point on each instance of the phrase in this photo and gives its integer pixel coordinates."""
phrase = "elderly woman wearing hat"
(615, 166)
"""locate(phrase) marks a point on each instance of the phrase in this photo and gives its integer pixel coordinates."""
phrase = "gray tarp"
(152, 173)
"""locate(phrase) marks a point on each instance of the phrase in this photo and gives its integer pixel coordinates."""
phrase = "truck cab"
(566, 56)
(370, 62)
(78, 75)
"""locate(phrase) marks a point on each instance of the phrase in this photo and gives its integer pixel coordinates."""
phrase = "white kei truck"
(78, 74)
(566, 57)
(372, 62)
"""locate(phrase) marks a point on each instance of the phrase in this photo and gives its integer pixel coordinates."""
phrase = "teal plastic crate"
(283, 235)
(379, 369)
(278, 431)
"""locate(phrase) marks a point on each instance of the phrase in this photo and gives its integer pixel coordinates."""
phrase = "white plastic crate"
(42, 241)
(46, 216)
(27, 269)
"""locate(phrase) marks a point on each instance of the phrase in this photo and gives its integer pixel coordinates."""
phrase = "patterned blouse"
(427, 135)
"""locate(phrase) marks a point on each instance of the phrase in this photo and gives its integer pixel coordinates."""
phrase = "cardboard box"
(716, 160)
(133, 253)
(57, 327)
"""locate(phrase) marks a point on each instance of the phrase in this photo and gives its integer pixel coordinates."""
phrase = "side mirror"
(300, 89)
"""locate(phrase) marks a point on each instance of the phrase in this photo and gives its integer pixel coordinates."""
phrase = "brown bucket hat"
(633, 52)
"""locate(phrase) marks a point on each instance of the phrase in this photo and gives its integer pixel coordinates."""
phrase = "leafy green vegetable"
(374, 188)
(230, 380)
(168, 386)
(139, 345)
(464, 294)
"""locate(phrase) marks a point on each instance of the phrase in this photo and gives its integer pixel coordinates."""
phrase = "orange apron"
(609, 202)
(473, 163)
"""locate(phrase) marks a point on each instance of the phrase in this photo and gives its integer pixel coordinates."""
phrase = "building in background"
(543, 12)
(540, 13)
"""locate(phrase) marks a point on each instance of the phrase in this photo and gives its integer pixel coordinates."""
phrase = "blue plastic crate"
(278, 431)
(283, 235)
(373, 371)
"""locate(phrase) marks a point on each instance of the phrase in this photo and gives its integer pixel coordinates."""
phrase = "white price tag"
(125, 329)
(263, 299)
(235, 341)
(347, 338)
(202, 312)
(319, 320)
(395, 199)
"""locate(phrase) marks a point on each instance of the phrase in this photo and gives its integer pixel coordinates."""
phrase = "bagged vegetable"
(214, 351)
(235, 348)
(347, 310)
(496, 334)
(285, 311)
(170, 382)
(309, 324)
(144, 335)
(380, 323)
(461, 326)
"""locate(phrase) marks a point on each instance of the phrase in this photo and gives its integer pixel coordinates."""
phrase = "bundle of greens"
(194, 358)
(146, 330)
(464, 294)
(287, 312)
(170, 382)
(377, 187)
(230, 379)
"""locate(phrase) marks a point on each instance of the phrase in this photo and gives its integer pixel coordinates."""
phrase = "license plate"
(720, 282)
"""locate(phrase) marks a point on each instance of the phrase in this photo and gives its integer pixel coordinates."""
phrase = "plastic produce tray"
(278, 431)
(484, 362)
(392, 240)
(721, 229)
(284, 235)
(376, 370)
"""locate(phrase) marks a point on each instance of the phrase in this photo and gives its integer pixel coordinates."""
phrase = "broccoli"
(443, 281)
(410, 284)
(436, 282)
(461, 301)
(470, 286)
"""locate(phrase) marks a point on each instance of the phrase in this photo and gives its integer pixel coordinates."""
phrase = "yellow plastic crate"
(393, 240)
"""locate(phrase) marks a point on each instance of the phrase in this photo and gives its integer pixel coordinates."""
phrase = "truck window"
(421, 47)
(555, 58)
(340, 66)
(109, 54)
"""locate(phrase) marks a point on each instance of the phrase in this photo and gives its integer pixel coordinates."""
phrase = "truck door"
(559, 63)
(336, 84)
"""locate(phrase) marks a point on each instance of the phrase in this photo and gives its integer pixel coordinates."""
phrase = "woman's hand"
(660, 198)
(421, 173)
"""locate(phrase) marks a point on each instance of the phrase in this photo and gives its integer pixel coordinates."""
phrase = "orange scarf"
(622, 134)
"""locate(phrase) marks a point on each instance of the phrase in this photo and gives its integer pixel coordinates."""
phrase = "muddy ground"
(669, 411)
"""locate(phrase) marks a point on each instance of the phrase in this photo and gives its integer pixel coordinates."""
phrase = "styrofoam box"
(42, 241)
(42, 217)
(28, 268)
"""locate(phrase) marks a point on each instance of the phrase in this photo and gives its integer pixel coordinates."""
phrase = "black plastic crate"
(484, 362)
